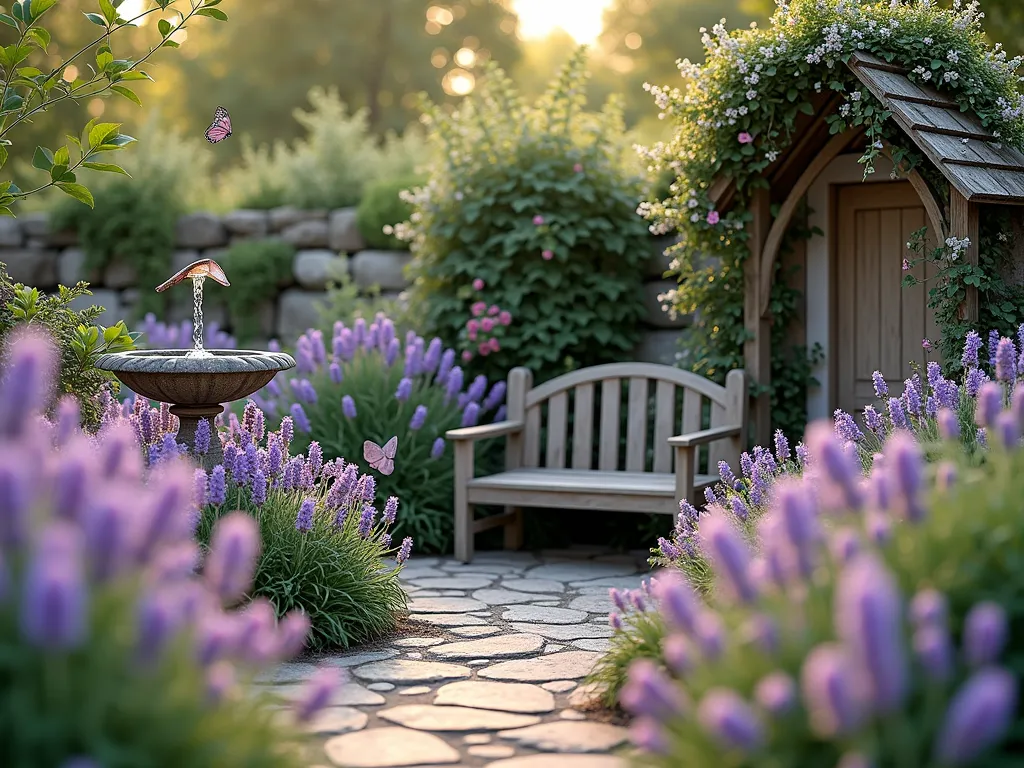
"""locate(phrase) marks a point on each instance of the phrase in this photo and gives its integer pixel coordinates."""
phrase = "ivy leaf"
(78, 192)
(127, 93)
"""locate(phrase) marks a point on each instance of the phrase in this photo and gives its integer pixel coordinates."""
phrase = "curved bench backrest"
(582, 410)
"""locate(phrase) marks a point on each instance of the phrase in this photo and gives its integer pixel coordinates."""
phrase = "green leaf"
(213, 13)
(164, 26)
(78, 192)
(40, 36)
(5, 211)
(3, 156)
(170, 44)
(133, 75)
(39, 7)
(8, 20)
(96, 19)
(98, 134)
(108, 11)
(127, 93)
(42, 159)
(62, 157)
(58, 171)
(74, 141)
(107, 167)
(104, 57)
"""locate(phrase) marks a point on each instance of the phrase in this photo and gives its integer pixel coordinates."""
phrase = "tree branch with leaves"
(28, 90)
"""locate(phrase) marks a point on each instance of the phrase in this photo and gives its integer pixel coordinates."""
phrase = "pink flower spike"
(487, 324)
(713, 218)
(478, 308)
(467, 356)
(493, 310)
(478, 284)
(538, 220)
(495, 345)
(505, 318)
(578, 167)
(548, 255)
(472, 325)
(484, 348)
(745, 138)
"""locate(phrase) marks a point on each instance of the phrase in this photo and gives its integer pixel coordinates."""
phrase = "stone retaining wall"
(36, 256)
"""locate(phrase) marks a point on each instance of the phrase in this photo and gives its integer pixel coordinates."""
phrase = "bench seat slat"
(586, 481)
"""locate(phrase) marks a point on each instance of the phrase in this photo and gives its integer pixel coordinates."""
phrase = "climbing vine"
(737, 113)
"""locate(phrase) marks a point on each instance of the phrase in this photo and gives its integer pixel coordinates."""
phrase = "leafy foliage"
(75, 333)
(535, 201)
(738, 112)
(258, 268)
(368, 389)
(328, 168)
(28, 90)
(381, 208)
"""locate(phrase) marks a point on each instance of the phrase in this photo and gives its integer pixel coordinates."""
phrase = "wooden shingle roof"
(968, 155)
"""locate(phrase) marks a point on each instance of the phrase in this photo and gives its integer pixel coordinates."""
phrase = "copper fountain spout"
(202, 268)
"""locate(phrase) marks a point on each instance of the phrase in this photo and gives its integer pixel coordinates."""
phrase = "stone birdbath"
(196, 382)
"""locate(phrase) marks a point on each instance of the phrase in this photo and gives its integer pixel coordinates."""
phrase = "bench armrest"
(703, 437)
(484, 431)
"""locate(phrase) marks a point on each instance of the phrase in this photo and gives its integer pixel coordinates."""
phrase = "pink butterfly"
(220, 129)
(381, 459)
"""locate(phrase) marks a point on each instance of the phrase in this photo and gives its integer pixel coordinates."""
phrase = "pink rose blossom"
(745, 138)
(548, 255)
(493, 310)
(505, 318)
(495, 346)
(472, 335)
(478, 308)
(578, 167)
(467, 356)
(538, 220)
(472, 325)
(478, 284)
(484, 348)
(487, 324)
(713, 218)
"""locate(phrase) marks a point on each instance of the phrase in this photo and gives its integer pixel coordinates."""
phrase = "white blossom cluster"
(957, 247)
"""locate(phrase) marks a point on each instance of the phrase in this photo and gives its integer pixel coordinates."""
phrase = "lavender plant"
(113, 651)
(367, 384)
(835, 645)
(160, 335)
(323, 539)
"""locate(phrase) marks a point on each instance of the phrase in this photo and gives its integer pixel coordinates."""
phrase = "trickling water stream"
(197, 319)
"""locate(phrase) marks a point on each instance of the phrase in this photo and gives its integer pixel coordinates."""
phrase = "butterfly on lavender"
(220, 128)
(381, 459)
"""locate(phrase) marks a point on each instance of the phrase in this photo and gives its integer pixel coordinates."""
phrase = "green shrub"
(321, 554)
(381, 209)
(112, 649)
(345, 302)
(369, 389)
(536, 202)
(76, 335)
(257, 270)
(329, 168)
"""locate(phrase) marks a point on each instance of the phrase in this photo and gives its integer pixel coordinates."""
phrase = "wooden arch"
(834, 148)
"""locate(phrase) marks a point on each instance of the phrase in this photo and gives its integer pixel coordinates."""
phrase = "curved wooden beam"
(773, 242)
(931, 206)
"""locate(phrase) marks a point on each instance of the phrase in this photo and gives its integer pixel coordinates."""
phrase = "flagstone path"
(491, 673)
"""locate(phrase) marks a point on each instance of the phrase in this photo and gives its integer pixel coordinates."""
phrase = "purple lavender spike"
(730, 720)
(776, 693)
(730, 555)
(234, 547)
(985, 633)
(830, 692)
(978, 716)
(649, 692)
(54, 600)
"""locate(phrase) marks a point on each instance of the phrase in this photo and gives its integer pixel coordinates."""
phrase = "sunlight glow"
(580, 18)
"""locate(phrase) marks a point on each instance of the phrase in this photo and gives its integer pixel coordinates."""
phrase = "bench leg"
(514, 529)
(463, 509)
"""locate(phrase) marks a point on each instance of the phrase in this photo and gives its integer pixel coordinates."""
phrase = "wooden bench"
(575, 472)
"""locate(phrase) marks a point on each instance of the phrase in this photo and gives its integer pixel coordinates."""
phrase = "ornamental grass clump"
(879, 623)
(113, 651)
(537, 201)
(324, 540)
(367, 384)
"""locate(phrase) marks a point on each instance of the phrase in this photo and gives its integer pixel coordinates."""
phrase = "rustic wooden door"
(877, 324)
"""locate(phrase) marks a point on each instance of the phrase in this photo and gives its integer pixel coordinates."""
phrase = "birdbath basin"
(196, 382)
(195, 387)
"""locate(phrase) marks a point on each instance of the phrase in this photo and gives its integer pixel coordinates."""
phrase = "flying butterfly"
(220, 128)
(381, 459)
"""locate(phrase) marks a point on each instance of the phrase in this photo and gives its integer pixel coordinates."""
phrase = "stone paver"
(425, 717)
(502, 650)
(389, 747)
(556, 666)
(568, 736)
(522, 698)
(501, 647)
